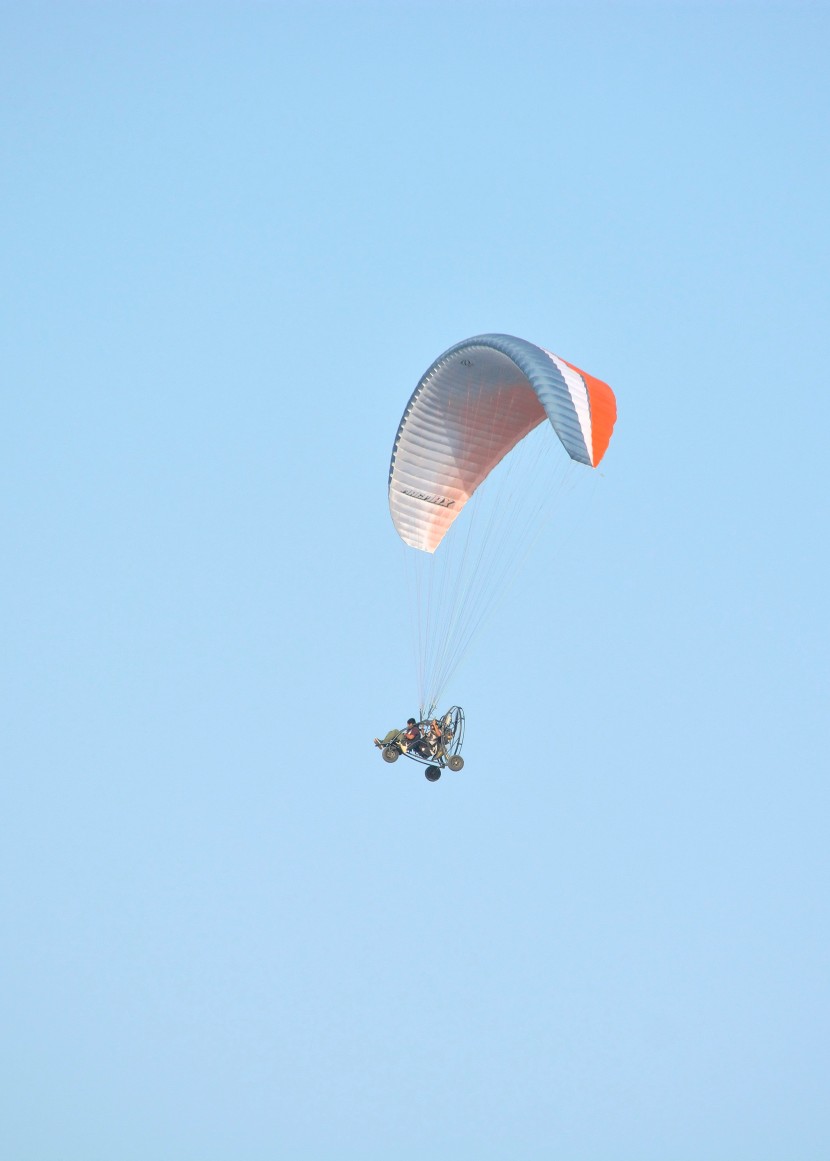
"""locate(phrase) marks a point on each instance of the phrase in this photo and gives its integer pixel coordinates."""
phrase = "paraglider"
(483, 401)
(435, 742)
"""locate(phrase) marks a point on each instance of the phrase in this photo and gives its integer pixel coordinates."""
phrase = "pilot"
(406, 738)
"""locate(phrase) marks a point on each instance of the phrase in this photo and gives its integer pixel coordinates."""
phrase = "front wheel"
(432, 773)
(455, 762)
(390, 753)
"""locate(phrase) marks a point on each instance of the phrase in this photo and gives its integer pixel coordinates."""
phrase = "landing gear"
(390, 753)
(432, 773)
(455, 762)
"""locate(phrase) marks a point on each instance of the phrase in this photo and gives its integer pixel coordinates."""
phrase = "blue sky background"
(234, 238)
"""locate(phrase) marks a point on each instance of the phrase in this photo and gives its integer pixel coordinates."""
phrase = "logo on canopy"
(441, 501)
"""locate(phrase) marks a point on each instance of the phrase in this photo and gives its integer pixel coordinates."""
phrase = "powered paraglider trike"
(437, 746)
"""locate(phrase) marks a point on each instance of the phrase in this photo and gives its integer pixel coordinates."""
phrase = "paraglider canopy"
(473, 405)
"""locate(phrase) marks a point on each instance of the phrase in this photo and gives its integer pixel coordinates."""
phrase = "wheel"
(455, 762)
(432, 773)
(390, 753)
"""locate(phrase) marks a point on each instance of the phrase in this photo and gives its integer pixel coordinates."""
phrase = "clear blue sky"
(234, 237)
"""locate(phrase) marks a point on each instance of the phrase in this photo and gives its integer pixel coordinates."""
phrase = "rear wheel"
(432, 773)
(391, 753)
(455, 762)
